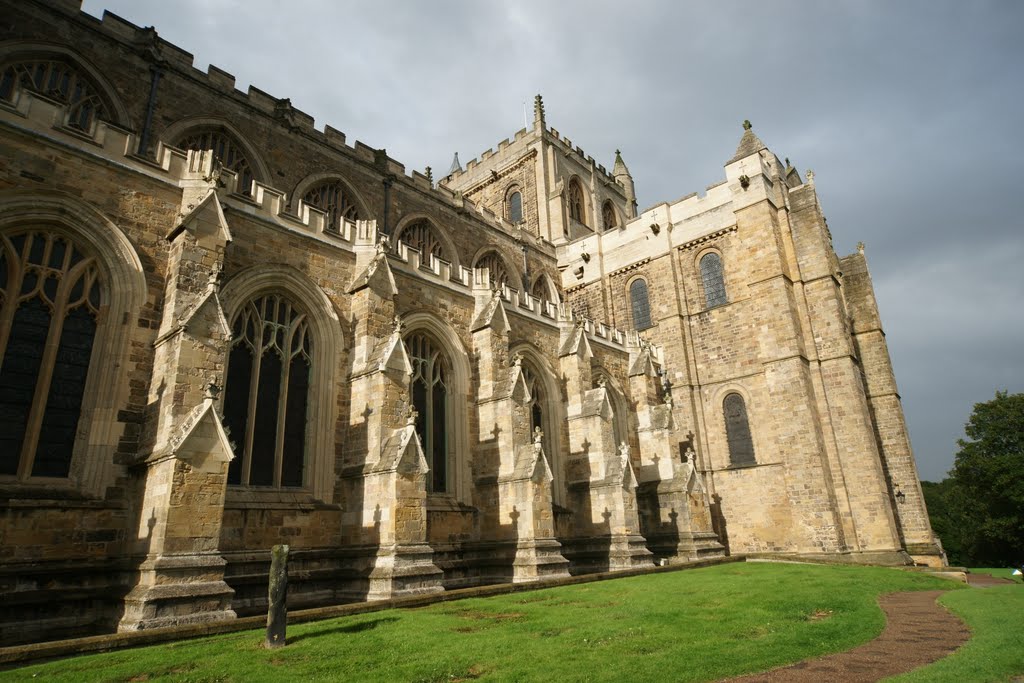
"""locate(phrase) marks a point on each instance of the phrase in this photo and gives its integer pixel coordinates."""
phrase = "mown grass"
(694, 625)
(998, 572)
(995, 651)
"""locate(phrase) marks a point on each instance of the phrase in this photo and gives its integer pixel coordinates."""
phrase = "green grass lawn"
(1001, 573)
(697, 625)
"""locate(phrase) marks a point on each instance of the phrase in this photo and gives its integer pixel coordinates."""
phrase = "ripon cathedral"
(222, 328)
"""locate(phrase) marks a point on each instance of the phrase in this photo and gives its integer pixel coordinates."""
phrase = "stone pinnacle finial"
(746, 124)
(538, 435)
(456, 166)
(410, 416)
(860, 248)
(399, 325)
(429, 172)
(538, 110)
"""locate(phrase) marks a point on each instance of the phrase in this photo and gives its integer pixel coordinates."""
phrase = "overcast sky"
(909, 113)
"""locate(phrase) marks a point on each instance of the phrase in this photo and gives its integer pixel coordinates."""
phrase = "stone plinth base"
(404, 570)
(539, 559)
(607, 553)
(678, 548)
(178, 590)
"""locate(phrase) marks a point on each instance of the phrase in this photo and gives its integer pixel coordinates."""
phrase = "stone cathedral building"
(222, 328)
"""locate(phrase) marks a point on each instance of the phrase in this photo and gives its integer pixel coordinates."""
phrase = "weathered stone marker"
(277, 599)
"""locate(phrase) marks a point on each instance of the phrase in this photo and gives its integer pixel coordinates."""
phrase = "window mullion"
(38, 409)
(250, 421)
(282, 406)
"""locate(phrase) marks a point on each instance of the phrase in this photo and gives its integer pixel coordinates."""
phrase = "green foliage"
(979, 510)
(698, 625)
(994, 652)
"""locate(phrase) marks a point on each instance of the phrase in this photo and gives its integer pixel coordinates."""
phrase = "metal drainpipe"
(388, 182)
(150, 108)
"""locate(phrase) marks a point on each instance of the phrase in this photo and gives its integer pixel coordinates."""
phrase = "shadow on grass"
(350, 628)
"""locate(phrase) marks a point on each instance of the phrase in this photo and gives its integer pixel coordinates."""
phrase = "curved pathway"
(918, 631)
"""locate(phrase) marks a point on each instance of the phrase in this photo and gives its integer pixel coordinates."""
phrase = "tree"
(985, 503)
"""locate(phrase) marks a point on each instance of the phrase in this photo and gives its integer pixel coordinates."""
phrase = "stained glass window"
(226, 150)
(59, 80)
(641, 305)
(335, 200)
(429, 388)
(50, 294)
(737, 430)
(714, 280)
(266, 398)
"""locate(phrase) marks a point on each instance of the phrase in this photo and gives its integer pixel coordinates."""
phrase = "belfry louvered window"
(640, 304)
(335, 200)
(225, 149)
(50, 294)
(429, 387)
(608, 216)
(714, 280)
(737, 430)
(266, 399)
(61, 81)
(420, 236)
(515, 207)
(577, 208)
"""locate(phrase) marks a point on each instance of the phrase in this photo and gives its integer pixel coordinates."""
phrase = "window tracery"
(332, 198)
(60, 80)
(608, 215)
(420, 235)
(577, 208)
(225, 149)
(266, 398)
(515, 206)
(50, 294)
(430, 395)
(496, 267)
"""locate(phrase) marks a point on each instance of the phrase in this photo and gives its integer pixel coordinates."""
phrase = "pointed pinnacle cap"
(749, 144)
(620, 165)
(456, 166)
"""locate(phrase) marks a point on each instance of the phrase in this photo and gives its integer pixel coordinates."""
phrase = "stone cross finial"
(383, 243)
(410, 416)
(746, 124)
(212, 390)
(399, 325)
(517, 360)
(538, 435)
(601, 381)
(624, 449)
(810, 176)
(860, 248)
(430, 174)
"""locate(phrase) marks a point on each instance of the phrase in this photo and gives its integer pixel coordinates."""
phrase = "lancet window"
(430, 389)
(225, 149)
(50, 294)
(577, 208)
(332, 198)
(737, 430)
(59, 80)
(640, 304)
(266, 397)
(608, 215)
(714, 280)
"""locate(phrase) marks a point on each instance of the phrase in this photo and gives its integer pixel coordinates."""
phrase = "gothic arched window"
(640, 304)
(496, 267)
(60, 80)
(577, 208)
(227, 151)
(266, 398)
(737, 431)
(430, 398)
(515, 206)
(713, 278)
(420, 236)
(608, 215)
(50, 293)
(332, 198)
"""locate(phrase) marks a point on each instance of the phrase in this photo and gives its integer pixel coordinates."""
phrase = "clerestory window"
(495, 266)
(59, 80)
(225, 149)
(50, 294)
(420, 236)
(266, 397)
(332, 198)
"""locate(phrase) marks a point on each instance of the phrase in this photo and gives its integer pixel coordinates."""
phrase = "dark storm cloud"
(908, 112)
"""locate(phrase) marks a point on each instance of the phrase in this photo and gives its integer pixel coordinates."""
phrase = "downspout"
(147, 125)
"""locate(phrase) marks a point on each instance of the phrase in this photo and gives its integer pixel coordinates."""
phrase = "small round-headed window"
(514, 204)
(713, 278)
(640, 304)
(737, 431)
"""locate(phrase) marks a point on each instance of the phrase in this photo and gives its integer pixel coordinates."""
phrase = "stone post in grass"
(277, 600)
